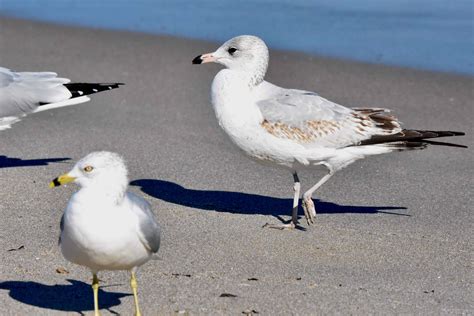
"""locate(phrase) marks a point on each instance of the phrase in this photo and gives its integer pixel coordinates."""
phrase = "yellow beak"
(63, 179)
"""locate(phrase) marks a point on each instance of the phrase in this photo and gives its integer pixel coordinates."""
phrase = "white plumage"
(104, 235)
(296, 129)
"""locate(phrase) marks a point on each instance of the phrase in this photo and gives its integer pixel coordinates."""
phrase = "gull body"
(106, 239)
(241, 119)
(297, 129)
(23, 93)
(104, 227)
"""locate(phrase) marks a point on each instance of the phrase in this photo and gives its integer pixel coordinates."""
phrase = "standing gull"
(297, 129)
(105, 227)
(22, 93)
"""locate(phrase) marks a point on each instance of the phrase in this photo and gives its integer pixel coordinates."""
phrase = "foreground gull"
(297, 129)
(22, 93)
(104, 227)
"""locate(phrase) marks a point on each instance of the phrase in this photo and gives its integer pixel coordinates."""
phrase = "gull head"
(245, 53)
(100, 170)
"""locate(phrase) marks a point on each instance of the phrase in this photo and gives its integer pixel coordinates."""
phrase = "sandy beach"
(393, 232)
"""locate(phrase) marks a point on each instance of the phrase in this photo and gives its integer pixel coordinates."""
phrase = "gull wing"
(149, 229)
(311, 120)
(22, 93)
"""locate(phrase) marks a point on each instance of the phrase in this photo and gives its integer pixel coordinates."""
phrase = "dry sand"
(393, 233)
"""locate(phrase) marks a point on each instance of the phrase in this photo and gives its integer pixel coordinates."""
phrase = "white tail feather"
(61, 104)
(6, 122)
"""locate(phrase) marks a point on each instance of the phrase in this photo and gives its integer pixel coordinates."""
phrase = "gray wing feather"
(292, 106)
(22, 92)
(61, 228)
(298, 108)
(149, 229)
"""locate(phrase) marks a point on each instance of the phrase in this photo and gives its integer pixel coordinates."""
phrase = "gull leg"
(294, 213)
(134, 285)
(296, 199)
(308, 204)
(95, 288)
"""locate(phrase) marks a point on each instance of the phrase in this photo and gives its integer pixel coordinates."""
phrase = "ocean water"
(427, 34)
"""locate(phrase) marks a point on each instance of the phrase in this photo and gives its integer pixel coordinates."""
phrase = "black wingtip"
(443, 133)
(432, 142)
(411, 136)
(78, 89)
(197, 60)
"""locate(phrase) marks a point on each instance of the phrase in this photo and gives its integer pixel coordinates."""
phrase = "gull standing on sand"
(297, 129)
(22, 93)
(104, 227)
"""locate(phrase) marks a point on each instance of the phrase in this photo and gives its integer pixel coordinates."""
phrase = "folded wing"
(307, 118)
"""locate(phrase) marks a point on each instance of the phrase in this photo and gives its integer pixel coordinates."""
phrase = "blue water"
(427, 34)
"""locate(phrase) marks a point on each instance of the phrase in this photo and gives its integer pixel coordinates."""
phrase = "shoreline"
(426, 34)
(306, 54)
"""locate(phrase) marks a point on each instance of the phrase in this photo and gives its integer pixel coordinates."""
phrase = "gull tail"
(412, 139)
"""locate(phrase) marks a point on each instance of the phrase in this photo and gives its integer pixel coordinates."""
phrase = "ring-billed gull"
(297, 129)
(22, 93)
(105, 227)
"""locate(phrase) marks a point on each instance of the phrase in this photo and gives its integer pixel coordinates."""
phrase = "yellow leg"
(134, 285)
(95, 288)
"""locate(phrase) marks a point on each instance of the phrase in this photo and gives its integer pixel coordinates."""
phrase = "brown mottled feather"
(311, 131)
(380, 117)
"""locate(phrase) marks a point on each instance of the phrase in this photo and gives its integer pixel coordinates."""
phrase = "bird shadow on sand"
(74, 297)
(245, 203)
(7, 162)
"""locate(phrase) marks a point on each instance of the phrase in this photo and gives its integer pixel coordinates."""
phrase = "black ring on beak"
(56, 182)
(197, 60)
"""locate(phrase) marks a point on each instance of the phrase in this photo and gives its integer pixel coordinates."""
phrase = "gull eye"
(232, 50)
(88, 168)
